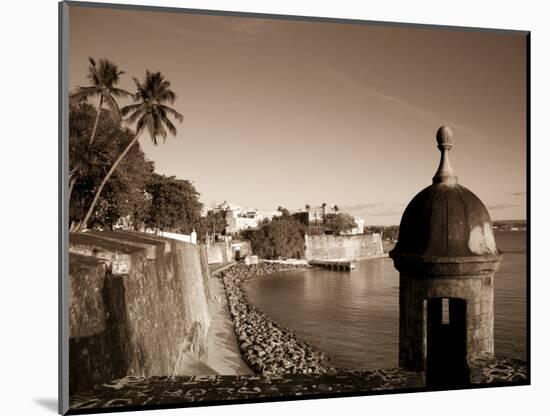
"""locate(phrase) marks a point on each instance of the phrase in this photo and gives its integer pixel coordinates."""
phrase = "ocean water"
(354, 317)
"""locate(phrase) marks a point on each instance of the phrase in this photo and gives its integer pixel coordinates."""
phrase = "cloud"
(400, 102)
(386, 214)
(501, 206)
(362, 206)
(381, 209)
(359, 207)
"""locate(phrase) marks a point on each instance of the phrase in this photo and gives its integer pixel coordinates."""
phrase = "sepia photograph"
(264, 207)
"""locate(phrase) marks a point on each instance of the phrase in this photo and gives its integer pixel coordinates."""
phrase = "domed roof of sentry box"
(445, 222)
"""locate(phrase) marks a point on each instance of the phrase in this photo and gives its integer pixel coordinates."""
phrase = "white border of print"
(29, 204)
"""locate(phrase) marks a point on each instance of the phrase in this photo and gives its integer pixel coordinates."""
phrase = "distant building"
(313, 218)
(238, 218)
(204, 211)
(359, 229)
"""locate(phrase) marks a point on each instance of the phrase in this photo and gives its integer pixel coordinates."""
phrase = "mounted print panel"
(262, 208)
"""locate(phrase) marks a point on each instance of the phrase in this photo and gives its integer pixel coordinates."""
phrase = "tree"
(280, 238)
(150, 113)
(81, 115)
(124, 195)
(213, 223)
(103, 78)
(174, 204)
(339, 223)
(283, 211)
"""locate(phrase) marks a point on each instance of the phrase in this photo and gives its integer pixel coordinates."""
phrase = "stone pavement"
(189, 390)
(489, 370)
(150, 391)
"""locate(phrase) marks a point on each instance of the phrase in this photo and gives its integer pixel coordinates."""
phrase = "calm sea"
(354, 316)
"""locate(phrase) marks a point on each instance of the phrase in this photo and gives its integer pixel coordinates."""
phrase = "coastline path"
(225, 358)
(224, 355)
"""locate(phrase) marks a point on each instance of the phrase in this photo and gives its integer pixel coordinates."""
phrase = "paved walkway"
(188, 390)
(151, 391)
(224, 356)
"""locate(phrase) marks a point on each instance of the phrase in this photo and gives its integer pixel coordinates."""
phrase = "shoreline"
(266, 346)
(223, 352)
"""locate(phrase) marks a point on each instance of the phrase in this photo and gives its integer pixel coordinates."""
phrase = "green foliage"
(338, 223)
(124, 196)
(285, 212)
(213, 223)
(174, 204)
(149, 110)
(282, 237)
(103, 76)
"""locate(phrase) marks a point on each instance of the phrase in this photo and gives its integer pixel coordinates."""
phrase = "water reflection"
(354, 316)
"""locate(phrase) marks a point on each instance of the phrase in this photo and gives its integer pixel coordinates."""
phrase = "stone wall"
(414, 291)
(325, 247)
(219, 252)
(187, 238)
(138, 305)
(241, 249)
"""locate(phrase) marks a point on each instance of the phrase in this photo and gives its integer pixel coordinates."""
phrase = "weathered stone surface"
(141, 322)
(152, 391)
(415, 290)
(86, 307)
(447, 258)
(220, 252)
(445, 221)
(488, 369)
(324, 247)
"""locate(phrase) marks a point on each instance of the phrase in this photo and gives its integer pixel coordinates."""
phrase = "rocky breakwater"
(267, 347)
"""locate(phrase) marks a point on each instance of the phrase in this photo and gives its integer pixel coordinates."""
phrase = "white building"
(313, 217)
(239, 218)
(360, 229)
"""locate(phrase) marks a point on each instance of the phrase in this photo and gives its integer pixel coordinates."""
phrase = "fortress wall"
(242, 246)
(220, 252)
(325, 247)
(138, 305)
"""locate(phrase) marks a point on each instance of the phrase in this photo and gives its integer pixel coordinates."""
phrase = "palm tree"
(151, 113)
(103, 77)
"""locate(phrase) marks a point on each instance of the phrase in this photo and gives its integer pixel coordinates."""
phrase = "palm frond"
(166, 121)
(141, 124)
(149, 110)
(166, 96)
(172, 112)
(130, 108)
(119, 92)
(84, 92)
(135, 115)
(151, 129)
(114, 109)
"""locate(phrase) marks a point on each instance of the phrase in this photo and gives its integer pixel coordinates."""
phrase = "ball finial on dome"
(444, 135)
(445, 173)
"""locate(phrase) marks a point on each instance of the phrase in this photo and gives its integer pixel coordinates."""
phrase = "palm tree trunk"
(74, 226)
(84, 222)
(94, 130)
(72, 181)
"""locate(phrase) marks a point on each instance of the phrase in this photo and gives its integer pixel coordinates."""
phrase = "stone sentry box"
(447, 258)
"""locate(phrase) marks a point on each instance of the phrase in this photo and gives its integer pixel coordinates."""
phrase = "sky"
(288, 113)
